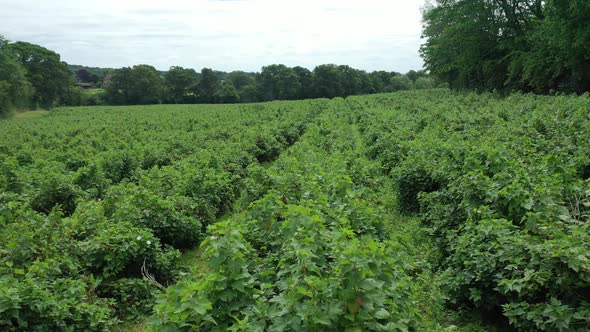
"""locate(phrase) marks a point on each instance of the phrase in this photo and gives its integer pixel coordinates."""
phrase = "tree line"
(540, 46)
(143, 84)
(32, 76)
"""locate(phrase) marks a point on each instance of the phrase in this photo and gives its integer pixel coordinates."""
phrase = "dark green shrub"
(121, 249)
(56, 191)
(91, 179)
(411, 182)
(170, 219)
(213, 188)
(32, 304)
(24, 158)
(552, 315)
(119, 165)
(9, 178)
(218, 299)
(133, 297)
(267, 148)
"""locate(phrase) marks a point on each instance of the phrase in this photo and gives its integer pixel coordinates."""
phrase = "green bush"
(410, 183)
(91, 179)
(93, 97)
(9, 178)
(267, 147)
(120, 250)
(56, 191)
(217, 300)
(119, 165)
(171, 219)
(133, 298)
(306, 255)
(31, 304)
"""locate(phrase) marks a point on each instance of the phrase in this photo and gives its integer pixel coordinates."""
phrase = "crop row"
(94, 203)
(308, 254)
(502, 186)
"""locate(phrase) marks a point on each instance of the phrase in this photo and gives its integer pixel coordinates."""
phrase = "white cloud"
(225, 35)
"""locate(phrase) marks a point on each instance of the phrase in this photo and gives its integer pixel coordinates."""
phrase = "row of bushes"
(501, 186)
(91, 235)
(307, 255)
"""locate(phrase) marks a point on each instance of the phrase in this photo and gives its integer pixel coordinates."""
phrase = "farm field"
(411, 211)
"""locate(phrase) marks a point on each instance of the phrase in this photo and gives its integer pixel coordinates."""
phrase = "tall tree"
(401, 82)
(278, 82)
(227, 93)
(147, 85)
(49, 77)
(245, 85)
(351, 80)
(558, 53)
(118, 85)
(249, 94)
(530, 45)
(366, 84)
(305, 78)
(178, 82)
(463, 43)
(416, 74)
(84, 76)
(241, 79)
(207, 86)
(135, 86)
(381, 80)
(327, 81)
(15, 90)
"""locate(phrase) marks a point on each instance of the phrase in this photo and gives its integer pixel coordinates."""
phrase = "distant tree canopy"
(273, 82)
(305, 77)
(227, 93)
(529, 45)
(85, 76)
(49, 77)
(207, 86)
(401, 82)
(241, 79)
(94, 75)
(15, 89)
(32, 76)
(178, 83)
(278, 82)
(139, 85)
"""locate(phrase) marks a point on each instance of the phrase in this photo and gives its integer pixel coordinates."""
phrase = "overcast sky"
(221, 34)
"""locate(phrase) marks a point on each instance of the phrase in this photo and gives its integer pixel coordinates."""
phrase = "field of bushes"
(411, 211)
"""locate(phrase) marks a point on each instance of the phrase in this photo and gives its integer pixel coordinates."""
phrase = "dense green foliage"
(128, 86)
(309, 254)
(493, 195)
(15, 90)
(179, 83)
(93, 201)
(90, 74)
(503, 187)
(529, 45)
(49, 77)
(145, 85)
(32, 76)
(139, 85)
